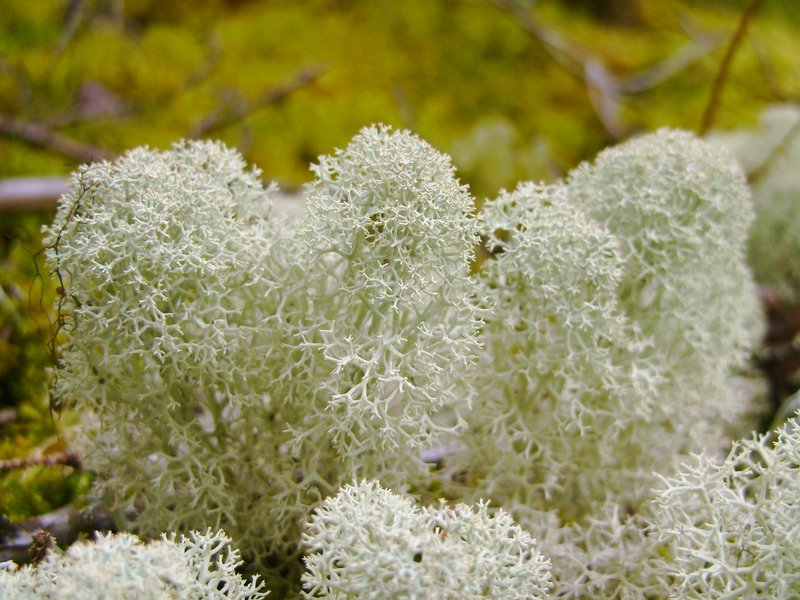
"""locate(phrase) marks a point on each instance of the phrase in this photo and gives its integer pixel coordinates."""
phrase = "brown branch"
(31, 193)
(39, 136)
(779, 150)
(229, 116)
(66, 458)
(570, 58)
(214, 52)
(602, 86)
(72, 20)
(724, 69)
(669, 67)
(66, 525)
(770, 77)
(605, 89)
(8, 415)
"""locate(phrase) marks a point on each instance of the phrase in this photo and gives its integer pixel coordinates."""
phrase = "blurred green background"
(512, 90)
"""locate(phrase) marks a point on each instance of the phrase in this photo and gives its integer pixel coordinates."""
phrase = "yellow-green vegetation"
(500, 85)
(24, 310)
(29, 427)
(119, 75)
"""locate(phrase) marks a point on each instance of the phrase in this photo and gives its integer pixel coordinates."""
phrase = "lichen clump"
(235, 370)
(241, 371)
(121, 566)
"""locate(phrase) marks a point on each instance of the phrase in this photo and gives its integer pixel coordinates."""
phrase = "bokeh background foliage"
(513, 90)
(467, 75)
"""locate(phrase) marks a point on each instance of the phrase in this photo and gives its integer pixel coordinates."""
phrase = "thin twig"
(605, 89)
(26, 193)
(570, 58)
(8, 415)
(724, 69)
(72, 20)
(779, 150)
(770, 77)
(602, 86)
(669, 67)
(213, 47)
(66, 524)
(226, 117)
(39, 136)
(66, 458)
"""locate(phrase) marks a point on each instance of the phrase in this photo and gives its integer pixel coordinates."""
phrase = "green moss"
(24, 308)
(25, 331)
(437, 67)
(24, 25)
(38, 490)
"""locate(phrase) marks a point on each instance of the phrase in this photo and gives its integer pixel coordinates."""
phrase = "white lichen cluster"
(122, 567)
(163, 259)
(770, 155)
(604, 360)
(237, 369)
(732, 528)
(387, 334)
(368, 542)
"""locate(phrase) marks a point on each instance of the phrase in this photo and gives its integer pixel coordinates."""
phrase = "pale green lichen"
(770, 154)
(236, 369)
(122, 567)
(604, 360)
(368, 542)
(732, 528)
(233, 369)
(389, 333)
(165, 262)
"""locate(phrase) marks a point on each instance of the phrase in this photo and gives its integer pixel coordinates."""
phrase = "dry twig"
(8, 415)
(39, 136)
(724, 69)
(65, 525)
(66, 458)
(604, 88)
(779, 150)
(228, 116)
(26, 193)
